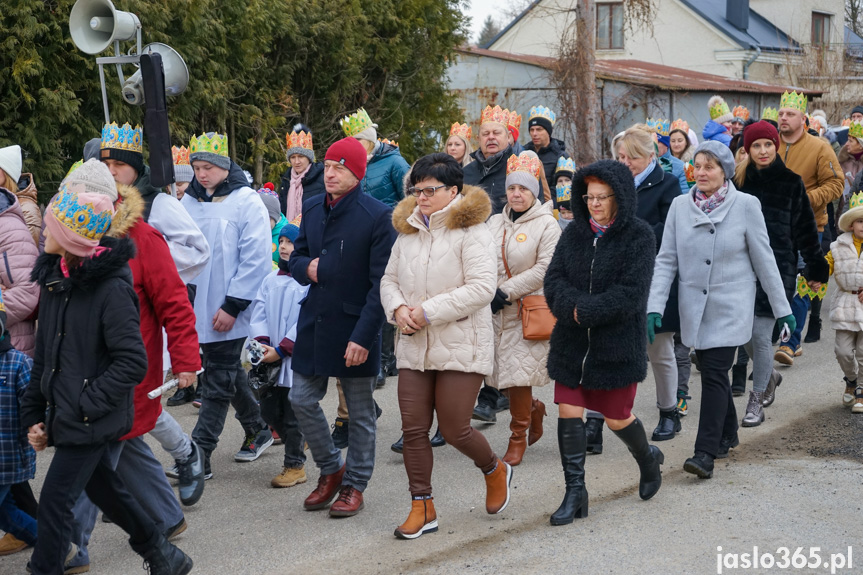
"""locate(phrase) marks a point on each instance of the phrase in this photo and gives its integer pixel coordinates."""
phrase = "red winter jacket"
(164, 303)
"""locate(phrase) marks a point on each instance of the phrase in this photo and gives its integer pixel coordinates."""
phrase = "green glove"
(654, 322)
(787, 320)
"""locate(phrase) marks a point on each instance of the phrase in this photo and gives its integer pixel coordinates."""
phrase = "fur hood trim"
(129, 209)
(473, 208)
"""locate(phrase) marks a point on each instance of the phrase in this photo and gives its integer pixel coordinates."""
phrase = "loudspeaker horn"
(96, 24)
(176, 74)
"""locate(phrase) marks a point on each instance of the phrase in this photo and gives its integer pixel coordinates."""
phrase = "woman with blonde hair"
(458, 144)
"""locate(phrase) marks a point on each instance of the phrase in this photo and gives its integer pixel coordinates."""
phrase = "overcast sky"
(479, 9)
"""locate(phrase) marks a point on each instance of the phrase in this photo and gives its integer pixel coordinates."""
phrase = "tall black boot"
(163, 558)
(593, 434)
(388, 355)
(738, 379)
(648, 457)
(570, 441)
(813, 333)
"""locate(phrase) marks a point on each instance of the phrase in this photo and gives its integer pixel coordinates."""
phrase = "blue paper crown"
(542, 112)
(565, 165)
(564, 192)
(123, 137)
(660, 126)
(80, 218)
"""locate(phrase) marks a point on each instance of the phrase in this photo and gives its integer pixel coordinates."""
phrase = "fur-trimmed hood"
(129, 210)
(467, 209)
(92, 271)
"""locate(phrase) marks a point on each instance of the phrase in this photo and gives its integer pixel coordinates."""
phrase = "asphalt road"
(795, 481)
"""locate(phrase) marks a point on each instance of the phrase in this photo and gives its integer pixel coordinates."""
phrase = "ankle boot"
(520, 403)
(536, 414)
(437, 439)
(422, 519)
(571, 442)
(497, 487)
(668, 426)
(738, 380)
(648, 457)
(813, 334)
(593, 434)
(162, 558)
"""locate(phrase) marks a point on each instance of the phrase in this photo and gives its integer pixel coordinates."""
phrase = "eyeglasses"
(601, 199)
(427, 192)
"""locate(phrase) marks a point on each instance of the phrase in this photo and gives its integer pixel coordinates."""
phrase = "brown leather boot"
(519, 408)
(328, 486)
(422, 519)
(537, 412)
(497, 487)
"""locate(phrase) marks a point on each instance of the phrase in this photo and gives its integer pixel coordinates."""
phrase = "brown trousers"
(453, 395)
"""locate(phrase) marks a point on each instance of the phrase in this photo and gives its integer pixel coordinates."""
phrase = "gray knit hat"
(271, 202)
(299, 141)
(183, 173)
(719, 152)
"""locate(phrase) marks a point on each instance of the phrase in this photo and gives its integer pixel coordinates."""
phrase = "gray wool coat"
(719, 257)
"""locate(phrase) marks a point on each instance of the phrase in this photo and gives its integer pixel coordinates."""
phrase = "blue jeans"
(305, 397)
(799, 308)
(15, 521)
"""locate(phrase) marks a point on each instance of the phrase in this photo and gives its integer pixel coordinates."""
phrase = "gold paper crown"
(299, 140)
(740, 112)
(815, 123)
(542, 112)
(463, 131)
(123, 137)
(661, 127)
(497, 114)
(524, 163)
(719, 109)
(769, 113)
(855, 129)
(215, 144)
(846, 122)
(563, 192)
(180, 155)
(679, 124)
(388, 141)
(515, 120)
(689, 171)
(356, 122)
(794, 101)
(81, 219)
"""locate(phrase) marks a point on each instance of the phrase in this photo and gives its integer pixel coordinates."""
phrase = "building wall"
(794, 17)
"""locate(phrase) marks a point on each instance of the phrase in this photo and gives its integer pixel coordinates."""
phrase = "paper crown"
(719, 109)
(463, 131)
(689, 171)
(217, 144)
(123, 137)
(794, 101)
(846, 122)
(356, 122)
(564, 192)
(80, 218)
(497, 114)
(856, 201)
(388, 141)
(855, 130)
(660, 126)
(514, 120)
(180, 155)
(565, 165)
(299, 140)
(679, 124)
(524, 163)
(815, 123)
(74, 167)
(542, 112)
(769, 113)
(741, 112)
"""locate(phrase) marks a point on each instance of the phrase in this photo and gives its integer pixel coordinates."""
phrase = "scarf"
(706, 204)
(598, 229)
(639, 179)
(294, 203)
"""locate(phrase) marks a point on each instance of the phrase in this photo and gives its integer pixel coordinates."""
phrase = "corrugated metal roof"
(649, 74)
(761, 32)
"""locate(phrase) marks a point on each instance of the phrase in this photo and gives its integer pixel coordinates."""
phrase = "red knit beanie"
(514, 131)
(351, 154)
(762, 130)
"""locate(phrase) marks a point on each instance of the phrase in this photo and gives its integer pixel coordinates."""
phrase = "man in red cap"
(341, 253)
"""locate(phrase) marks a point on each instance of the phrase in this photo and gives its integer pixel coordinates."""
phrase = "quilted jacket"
(450, 269)
(18, 255)
(530, 243)
(846, 313)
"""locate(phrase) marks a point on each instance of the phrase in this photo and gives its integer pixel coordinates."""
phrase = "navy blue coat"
(353, 240)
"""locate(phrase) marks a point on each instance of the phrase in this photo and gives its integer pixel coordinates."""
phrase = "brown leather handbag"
(537, 320)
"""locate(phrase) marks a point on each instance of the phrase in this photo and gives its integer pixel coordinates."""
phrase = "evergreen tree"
(489, 30)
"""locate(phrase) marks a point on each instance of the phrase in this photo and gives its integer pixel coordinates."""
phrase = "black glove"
(500, 300)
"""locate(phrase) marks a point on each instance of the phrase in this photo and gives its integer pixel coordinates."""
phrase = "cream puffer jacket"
(530, 243)
(450, 269)
(846, 312)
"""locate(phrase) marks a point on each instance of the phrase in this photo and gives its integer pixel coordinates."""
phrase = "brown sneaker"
(289, 477)
(847, 397)
(348, 504)
(422, 519)
(857, 406)
(497, 488)
(328, 486)
(10, 544)
(784, 355)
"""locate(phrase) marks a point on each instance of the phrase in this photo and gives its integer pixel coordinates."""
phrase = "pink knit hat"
(80, 214)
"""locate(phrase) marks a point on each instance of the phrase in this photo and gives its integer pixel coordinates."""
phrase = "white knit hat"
(10, 161)
(96, 178)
